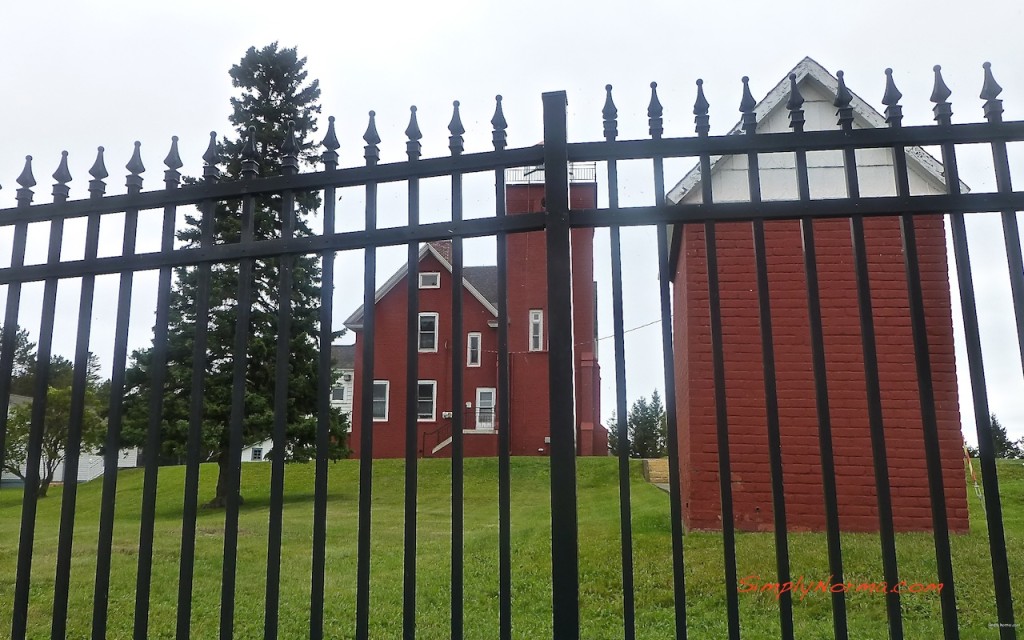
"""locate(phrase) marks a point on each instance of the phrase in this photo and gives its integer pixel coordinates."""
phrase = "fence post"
(564, 549)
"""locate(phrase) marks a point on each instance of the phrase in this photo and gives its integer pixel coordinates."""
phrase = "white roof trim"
(393, 281)
(809, 69)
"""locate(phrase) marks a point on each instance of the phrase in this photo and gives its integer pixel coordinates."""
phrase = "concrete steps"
(656, 471)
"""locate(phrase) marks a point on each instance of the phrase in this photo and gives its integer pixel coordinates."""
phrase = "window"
(536, 330)
(380, 400)
(426, 400)
(338, 394)
(428, 332)
(485, 409)
(473, 350)
(430, 280)
(257, 454)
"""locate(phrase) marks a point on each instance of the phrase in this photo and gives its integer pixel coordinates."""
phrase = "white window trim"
(437, 280)
(479, 348)
(536, 319)
(493, 407)
(387, 398)
(419, 332)
(433, 401)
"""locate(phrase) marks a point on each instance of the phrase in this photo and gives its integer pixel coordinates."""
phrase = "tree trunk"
(44, 484)
(220, 500)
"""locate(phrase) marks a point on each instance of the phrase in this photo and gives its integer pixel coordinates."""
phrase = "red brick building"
(751, 480)
(528, 341)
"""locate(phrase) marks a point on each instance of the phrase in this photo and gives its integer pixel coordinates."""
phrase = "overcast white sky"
(78, 75)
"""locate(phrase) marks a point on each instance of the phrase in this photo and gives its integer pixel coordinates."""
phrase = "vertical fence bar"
(498, 136)
(323, 391)
(101, 591)
(828, 468)
(771, 398)
(37, 428)
(564, 529)
(458, 362)
(618, 329)
(194, 445)
(926, 391)
(372, 155)
(700, 110)
(156, 402)
(413, 148)
(979, 391)
(236, 420)
(282, 367)
(69, 494)
(870, 355)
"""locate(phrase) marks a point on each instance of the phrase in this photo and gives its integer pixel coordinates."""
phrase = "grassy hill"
(601, 598)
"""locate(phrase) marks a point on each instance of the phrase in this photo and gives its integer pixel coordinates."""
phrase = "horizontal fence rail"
(704, 237)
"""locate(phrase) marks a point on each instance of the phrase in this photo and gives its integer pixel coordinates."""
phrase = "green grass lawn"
(600, 575)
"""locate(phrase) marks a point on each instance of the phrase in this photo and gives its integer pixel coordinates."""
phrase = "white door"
(485, 409)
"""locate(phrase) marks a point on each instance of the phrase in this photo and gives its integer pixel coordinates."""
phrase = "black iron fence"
(555, 155)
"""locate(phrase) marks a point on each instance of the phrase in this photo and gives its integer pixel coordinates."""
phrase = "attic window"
(430, 280)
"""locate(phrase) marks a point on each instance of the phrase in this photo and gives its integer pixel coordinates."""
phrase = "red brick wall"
(751, 483)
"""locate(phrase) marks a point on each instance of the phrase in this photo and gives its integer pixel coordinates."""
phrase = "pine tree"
(645, 426)
(274, 91)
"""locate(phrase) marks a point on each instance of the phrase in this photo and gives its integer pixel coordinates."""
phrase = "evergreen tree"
(1003, 446)
(646, 428)
(273, 91)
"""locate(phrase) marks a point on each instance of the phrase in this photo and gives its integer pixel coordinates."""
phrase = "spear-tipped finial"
(413, 130)
(371, 152)
(843, 95)
(250, 157)
(610, 113)
(892, 94)
(940, 92)
(455, 141)
(498, 135)
(413, 146)
(98, 172)
(331, 139)
(701, 106)
(990, 90)
(135, 165)
(26, 181)
(654, 113)
(700, 110)
(62, 175)
(173, 160)
(747, 102)
(211, 157)
(796, 99)
(290, 149)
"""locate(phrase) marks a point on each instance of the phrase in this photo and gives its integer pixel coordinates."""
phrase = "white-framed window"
(380, 400)
(485, 397)
(473, 346)
(428, 332)
(426, 400)
(338, 394)
(536, 330)
(257, 454)
(430, 280)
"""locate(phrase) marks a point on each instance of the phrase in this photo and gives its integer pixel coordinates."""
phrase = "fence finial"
(610, 113)
(842, 101)
(747, 106)
(26, 180)
(940, 92)
(63, 176)
(654, 113)
(498, 135)
(211, 157)
(700, 110)
(331, 144)
(455, 141)
(173, 160)
(371, 152)
(891, 99)
(98, 172)
(136, 168)
(990, 90)
(290, 149)
(795, 105)
(413, 146)
(250, 157)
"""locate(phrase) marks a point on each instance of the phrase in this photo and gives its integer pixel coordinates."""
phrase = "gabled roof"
(476, 280)
(343, 356)
(866, 116)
